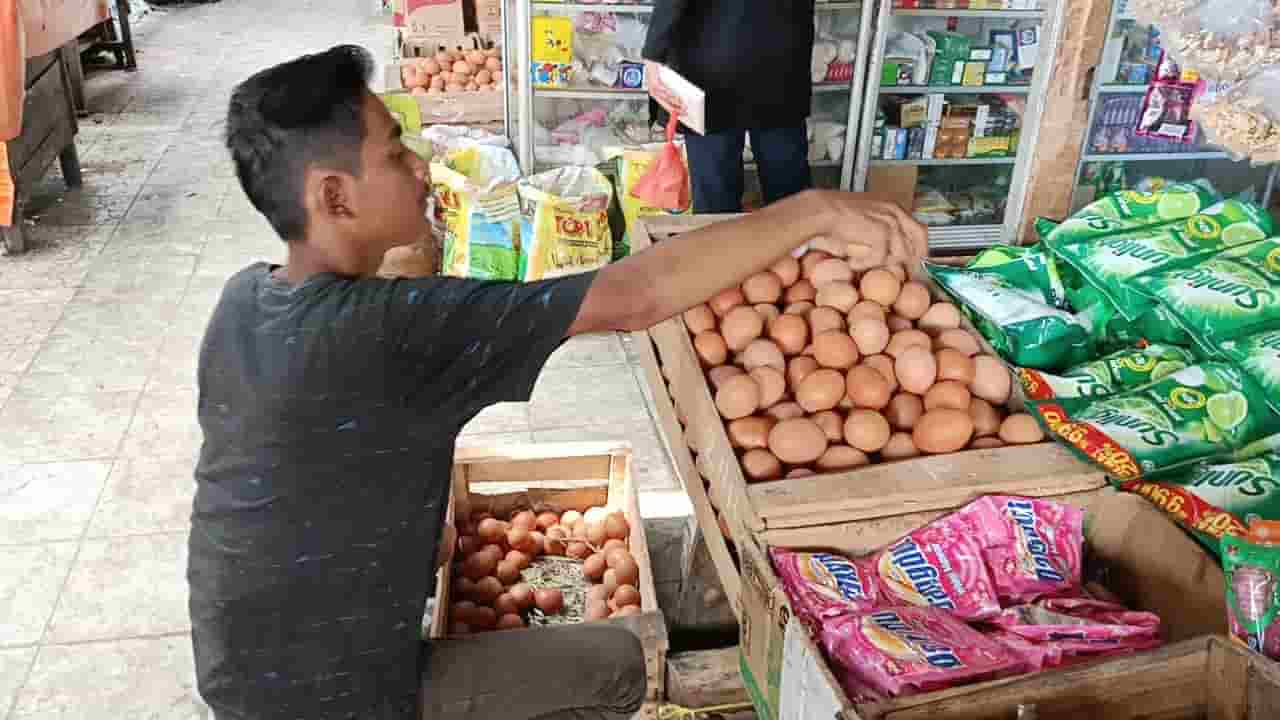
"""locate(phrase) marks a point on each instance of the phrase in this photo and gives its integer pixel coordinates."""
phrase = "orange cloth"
(30, 28)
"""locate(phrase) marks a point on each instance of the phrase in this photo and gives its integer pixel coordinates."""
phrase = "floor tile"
(14, 665)
(500, 418)
(57, 257)
(31, 577)
(586, 397)
(145, 495)
(489, 440)
(589, 351)
(174, 366)
(140, 679)
(124, 587)
(165, 425)
(89, 363)
(48, 501)
(69, 427)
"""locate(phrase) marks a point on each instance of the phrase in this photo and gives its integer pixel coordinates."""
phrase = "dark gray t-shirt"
(329, 413)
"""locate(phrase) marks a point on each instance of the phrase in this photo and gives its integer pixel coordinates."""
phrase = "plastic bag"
(1245, 120)
(1219, 39)
(666, 184)
(1253, 593)
(564, 226)
(475, 195)
(631, 165)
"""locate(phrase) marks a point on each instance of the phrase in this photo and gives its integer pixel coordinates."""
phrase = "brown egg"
(740, 326)
(825, 319)
(556, 541)
(867, 387)
(799, 368)
(790, 332)
(479, 566)
(628, 611)
(913, 301)
(1021, 429)
(711, 348)
(897, 323)
(461, 610)
(870, 335)
(468, 545)
(626, 596)
(483, 618)
(614, 543)
(524, 519)
(800, 308)
(627, 571)
(831, 423)
(785, 411)
(570, 518)
(492, 531)
(940, 316)
(610, 582)
(834, 270)
(903, 339)
(768, 312)
(798, 441)
(991, 380)
(881, 286)
(598, 593)
(750, 433)
(821, 390)
(810, 261)
(867, 309)
(954, 365)
(866, 430)
(738, 397)
(947, 394)
(986, 418)
(519, 558)
(617, 556)
(546, 520)
(725, 300)
(835, 349)
(538, 542)
(578, 550)
(840, 296)
(772, 383)
(596, 534)
(509, 621)
(841, 457)
(763, 353)
(883, 364)
(986, 443)
(508, 573)
(487, 590)
(898, 271)
(717, 375)
(904, 411)
(787, 269)
(916, 369)
(762, 287)
(518, 538)
(942, 431)
(957, 340)
(548, 600)
(802, 291)
(593, 567)
(899, 447)
(760, 465)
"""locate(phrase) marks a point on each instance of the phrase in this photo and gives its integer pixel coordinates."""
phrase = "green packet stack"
(1200, 412)
(1123, 370)
(1259, 356)
(1026, 268)
(1131, 210)
(1018, 322)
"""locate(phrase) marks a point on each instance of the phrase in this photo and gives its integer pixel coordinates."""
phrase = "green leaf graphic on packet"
(1018, 323)
(1108, 375)
(1200, 412)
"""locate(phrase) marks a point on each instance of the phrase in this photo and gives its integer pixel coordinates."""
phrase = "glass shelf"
(954, 89)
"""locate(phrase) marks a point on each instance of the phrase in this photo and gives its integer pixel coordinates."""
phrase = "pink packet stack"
(1033, 657)
(909, 650)
(821, 585)
(1032, 547)
(939, 566)
(1080, 626)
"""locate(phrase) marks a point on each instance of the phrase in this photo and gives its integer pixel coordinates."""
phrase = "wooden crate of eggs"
(814, 393)
(460, 86)
(546, 535)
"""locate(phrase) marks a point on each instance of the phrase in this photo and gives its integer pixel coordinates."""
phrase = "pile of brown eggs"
(488, 588)
(453, 71)
(818, 368)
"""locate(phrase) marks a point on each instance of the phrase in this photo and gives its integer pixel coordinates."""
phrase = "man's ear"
(328, 194)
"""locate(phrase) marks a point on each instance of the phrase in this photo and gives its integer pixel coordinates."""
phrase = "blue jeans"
(715, 166)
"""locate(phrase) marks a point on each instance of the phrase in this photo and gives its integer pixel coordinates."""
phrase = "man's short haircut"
(289, 117)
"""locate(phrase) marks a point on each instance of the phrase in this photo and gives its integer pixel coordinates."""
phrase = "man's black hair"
(288, 117)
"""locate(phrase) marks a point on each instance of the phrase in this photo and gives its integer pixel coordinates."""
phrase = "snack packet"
(909, 650)
(1166, 112)
(940, 565)
(1031, 547)
(1156, 325)
(1229, 296)
(1133, 210)
(1026, 268)
(1259, 357)
(1077, 626)
(1253, 594)
(821, 585)
(1107, 375)
(1202, 411)
(1033, 657)
(1018, 323)
(1110, 263)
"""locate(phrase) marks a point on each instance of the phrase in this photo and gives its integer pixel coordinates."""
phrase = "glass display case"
(1115, 157)
(581, 95)
(951, 113)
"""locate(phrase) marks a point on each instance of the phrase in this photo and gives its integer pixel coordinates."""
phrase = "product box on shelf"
(558, 477)
(430, 18)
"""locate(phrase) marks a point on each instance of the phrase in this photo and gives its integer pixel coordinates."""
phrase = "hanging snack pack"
(475, 193)
(564, 228)
(1166, 112)
(1199, 412)
(1252, 571)
(1229, 296)
(1018, 323)
(1122, 370)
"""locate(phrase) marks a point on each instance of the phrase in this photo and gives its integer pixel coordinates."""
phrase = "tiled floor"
(99, 327)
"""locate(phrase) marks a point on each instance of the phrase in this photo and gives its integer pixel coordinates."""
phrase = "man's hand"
(448, 542)
(877, 232)
(658, 89)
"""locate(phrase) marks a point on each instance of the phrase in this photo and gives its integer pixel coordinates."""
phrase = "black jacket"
(751, 56)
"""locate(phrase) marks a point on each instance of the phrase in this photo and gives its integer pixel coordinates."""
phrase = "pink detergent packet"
(939, 566)
(908, 650)
(1032, 547)
(1081, 626)
(1034, 657)
(820, 585)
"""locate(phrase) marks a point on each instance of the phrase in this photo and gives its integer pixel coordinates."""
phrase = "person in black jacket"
(752, 59)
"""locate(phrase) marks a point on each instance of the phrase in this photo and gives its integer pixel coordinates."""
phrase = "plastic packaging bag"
(1245, 120)
(1253, 593)
(1219, 39)
(666, 184)
(631, 165)
(475, 194)
(564, 226)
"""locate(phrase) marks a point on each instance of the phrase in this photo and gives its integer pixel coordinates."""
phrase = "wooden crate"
(560, 477)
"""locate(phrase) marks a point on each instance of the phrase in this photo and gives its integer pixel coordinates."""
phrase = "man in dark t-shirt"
(330, 401)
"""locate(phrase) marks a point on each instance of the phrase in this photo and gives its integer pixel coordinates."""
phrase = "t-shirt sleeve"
(472, 343)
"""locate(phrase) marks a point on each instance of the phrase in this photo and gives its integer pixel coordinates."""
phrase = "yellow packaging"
(564, 226)
(631, 166)
(478, 204)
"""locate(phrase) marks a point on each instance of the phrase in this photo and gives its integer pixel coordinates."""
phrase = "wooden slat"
(704, 678)
(1263, 682)
(43, 109)
(1228, 680)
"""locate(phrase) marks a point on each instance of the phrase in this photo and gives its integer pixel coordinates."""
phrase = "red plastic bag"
(666, 184)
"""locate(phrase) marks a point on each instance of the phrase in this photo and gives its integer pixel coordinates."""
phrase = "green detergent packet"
(1109, 263)
(1229, 296)
(1200, 412)
(1025, 267)
(1252, 573)
(1018, 323)
(1115, 331)
(1259, 356)
(1131, 210)
(1107, 375)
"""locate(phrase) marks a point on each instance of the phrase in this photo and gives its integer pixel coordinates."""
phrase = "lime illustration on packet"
(1253, 593)
(1118, 371)
(1259, 356)
(1132, 210)
(1199, 412)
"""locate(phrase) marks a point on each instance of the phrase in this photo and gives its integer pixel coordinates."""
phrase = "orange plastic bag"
(666, 184)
